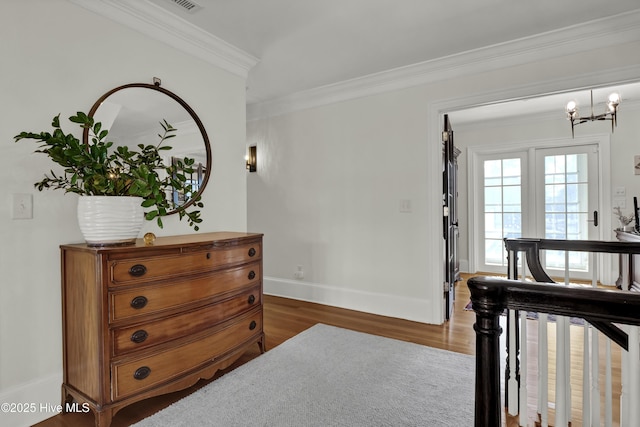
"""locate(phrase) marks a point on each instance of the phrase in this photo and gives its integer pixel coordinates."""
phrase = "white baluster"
(561, 374)
(543, 370)
(595, 378)
(608, 398)
(563, 386)
(567, 343)
(524, 396)
(634, 377)
(586, 389)
(624, 384)
(595, 355)
(624, 362)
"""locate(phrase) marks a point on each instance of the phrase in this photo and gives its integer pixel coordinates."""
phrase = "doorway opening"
(509, 105)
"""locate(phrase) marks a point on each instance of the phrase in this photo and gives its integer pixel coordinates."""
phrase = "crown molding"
(596, 34)
(160, 24)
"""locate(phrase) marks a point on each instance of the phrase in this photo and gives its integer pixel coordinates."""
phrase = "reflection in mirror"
(194, 179)
(133, 113)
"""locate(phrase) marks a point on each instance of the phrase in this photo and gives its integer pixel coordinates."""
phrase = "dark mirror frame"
(196, 119)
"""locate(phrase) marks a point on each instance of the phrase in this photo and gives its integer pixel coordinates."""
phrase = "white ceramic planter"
(110, 220)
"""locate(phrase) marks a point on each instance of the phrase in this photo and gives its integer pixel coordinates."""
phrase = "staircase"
(561, 381)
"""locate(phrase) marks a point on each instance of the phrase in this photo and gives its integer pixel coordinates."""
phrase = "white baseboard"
(464, 265)
(418, 310)
(31, 402)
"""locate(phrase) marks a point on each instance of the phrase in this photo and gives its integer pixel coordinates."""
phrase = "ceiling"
(302, 44)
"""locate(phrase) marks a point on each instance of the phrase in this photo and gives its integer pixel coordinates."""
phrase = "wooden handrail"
(602, 246)
(532, 247)
(490, 296)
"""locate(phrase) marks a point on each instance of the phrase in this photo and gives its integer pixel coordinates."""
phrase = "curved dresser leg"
(262, 344)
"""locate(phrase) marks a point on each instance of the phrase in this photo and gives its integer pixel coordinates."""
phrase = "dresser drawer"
(150, 299)
(190, 261)
(133, 376)
(140, 336)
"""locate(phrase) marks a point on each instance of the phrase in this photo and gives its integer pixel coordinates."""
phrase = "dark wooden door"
(450, 215)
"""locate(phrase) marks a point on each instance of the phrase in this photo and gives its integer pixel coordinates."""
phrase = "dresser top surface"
(172, 241)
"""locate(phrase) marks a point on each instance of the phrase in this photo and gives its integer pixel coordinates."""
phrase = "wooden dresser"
(139, 321)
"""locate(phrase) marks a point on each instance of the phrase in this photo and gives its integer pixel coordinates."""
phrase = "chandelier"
(609, 114)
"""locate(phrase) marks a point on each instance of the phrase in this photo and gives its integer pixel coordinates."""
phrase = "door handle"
(595, 219)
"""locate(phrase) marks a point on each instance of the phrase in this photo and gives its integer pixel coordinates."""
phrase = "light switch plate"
(22, 206)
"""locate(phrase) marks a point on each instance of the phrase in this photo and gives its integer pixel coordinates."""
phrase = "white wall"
(59, 58)
(330, 180)
(327, 195)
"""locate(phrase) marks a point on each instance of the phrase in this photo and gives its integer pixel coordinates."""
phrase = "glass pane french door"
(503, 206)
(547, 193)
(567, 197)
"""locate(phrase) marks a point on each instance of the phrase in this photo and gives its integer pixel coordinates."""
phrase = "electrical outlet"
(299, 274)
(405, 206)
(22, 206)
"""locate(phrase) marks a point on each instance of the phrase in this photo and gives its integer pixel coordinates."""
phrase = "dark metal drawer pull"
(139, 336)
(252, 275)
(252, 252)
(252, 299)
(142, 372)
(253, 325)
(138, 270)
(139, 302)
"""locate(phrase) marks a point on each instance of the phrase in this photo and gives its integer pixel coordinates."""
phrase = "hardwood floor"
(284, 318)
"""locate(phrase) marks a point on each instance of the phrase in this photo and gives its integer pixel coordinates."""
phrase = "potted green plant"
(101, 169)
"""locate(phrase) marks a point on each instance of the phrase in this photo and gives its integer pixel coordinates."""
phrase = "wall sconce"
(252, 159)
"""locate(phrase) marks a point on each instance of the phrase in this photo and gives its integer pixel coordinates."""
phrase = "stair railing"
(490, 296)
(516, 388)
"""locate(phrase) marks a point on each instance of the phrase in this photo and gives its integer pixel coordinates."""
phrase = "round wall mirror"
(132, 113)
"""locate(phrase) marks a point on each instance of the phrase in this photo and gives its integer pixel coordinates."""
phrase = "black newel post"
(488, 304)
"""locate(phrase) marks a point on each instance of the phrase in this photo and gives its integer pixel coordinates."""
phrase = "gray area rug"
(328, 376)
